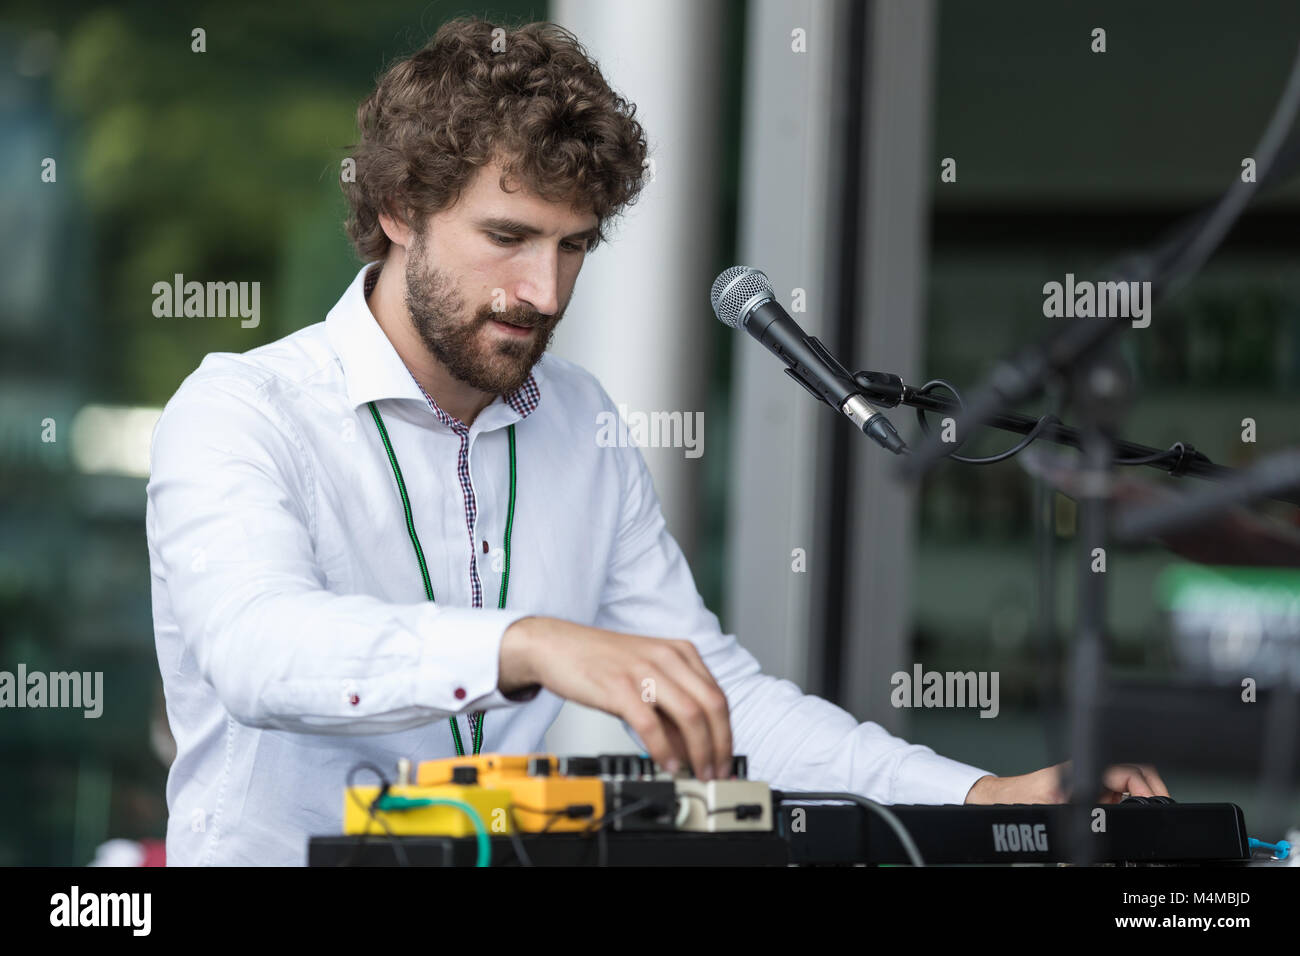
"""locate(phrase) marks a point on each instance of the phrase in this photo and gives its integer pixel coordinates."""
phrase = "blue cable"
(1281, 849)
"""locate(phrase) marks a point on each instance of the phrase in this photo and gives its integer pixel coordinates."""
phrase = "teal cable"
(395, 803)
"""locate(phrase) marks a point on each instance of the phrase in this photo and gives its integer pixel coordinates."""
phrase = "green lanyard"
(476, 725)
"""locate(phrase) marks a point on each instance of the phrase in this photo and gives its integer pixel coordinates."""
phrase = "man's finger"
(677, 741)
(714, 703)
(1153, 778)
(681, 707)
(1128, 778)
(651, 727)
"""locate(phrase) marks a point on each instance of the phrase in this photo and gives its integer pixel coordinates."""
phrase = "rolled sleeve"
(931, 778)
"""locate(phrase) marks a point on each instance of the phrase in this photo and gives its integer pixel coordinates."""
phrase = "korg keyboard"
(821, 832)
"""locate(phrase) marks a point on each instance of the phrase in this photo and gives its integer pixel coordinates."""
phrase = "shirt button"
(354, 700)
(460, 693)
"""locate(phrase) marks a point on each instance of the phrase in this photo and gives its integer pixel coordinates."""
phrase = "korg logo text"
(1015, 837)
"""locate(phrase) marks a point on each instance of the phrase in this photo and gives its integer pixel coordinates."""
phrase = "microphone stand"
(1270, 477)
(1100, 391)
(888, 390)
(1083, 355)
(1167, 268)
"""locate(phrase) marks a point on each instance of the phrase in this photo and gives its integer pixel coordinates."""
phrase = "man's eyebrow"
(524, 229)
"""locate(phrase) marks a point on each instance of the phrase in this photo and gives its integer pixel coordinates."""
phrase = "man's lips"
(516, 330)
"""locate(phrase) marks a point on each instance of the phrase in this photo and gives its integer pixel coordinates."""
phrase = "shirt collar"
(373, 370)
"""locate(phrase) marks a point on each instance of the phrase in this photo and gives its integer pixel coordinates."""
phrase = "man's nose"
(540, 287)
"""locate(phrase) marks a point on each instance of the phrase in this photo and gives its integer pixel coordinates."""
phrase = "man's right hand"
(659, 686)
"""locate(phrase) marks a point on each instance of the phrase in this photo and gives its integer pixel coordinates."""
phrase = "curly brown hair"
(528, 97)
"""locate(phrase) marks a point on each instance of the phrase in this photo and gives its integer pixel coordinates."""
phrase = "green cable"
(406, 502)
(476, 726)
(395, 803)
(505, 575)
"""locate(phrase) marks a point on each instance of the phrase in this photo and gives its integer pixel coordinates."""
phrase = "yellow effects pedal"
(541, 800)
(408, 816)
(432, 772)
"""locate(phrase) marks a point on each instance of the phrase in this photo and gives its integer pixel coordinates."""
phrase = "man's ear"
(396, 229)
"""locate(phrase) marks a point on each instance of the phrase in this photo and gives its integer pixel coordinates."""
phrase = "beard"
(467, 347)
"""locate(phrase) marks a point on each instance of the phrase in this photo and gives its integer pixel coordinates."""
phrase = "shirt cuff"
(461, 664)
(928, 778)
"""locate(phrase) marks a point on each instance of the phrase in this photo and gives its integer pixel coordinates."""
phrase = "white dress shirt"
(294, 635)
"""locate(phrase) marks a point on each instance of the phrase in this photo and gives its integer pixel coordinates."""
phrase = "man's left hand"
(1044, 786)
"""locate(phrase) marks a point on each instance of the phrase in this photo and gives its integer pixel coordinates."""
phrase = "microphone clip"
(833, 363)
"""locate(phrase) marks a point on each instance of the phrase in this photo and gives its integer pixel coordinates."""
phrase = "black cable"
(365, 834)
(598, 827)
(568, 810)
(398, 850)
(1177, 449)
(622, 811)
(555, 816)
(516, 840)
(895, 824)
(709, 812)
(1024, 442)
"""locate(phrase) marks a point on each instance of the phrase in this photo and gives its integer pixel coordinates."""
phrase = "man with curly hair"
(328, 514)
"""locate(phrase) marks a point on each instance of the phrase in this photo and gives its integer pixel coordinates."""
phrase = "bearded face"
(487, 350)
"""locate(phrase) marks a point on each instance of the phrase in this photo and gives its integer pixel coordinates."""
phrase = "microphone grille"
(736, 291)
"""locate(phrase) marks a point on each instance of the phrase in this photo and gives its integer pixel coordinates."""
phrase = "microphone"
(742, 297)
